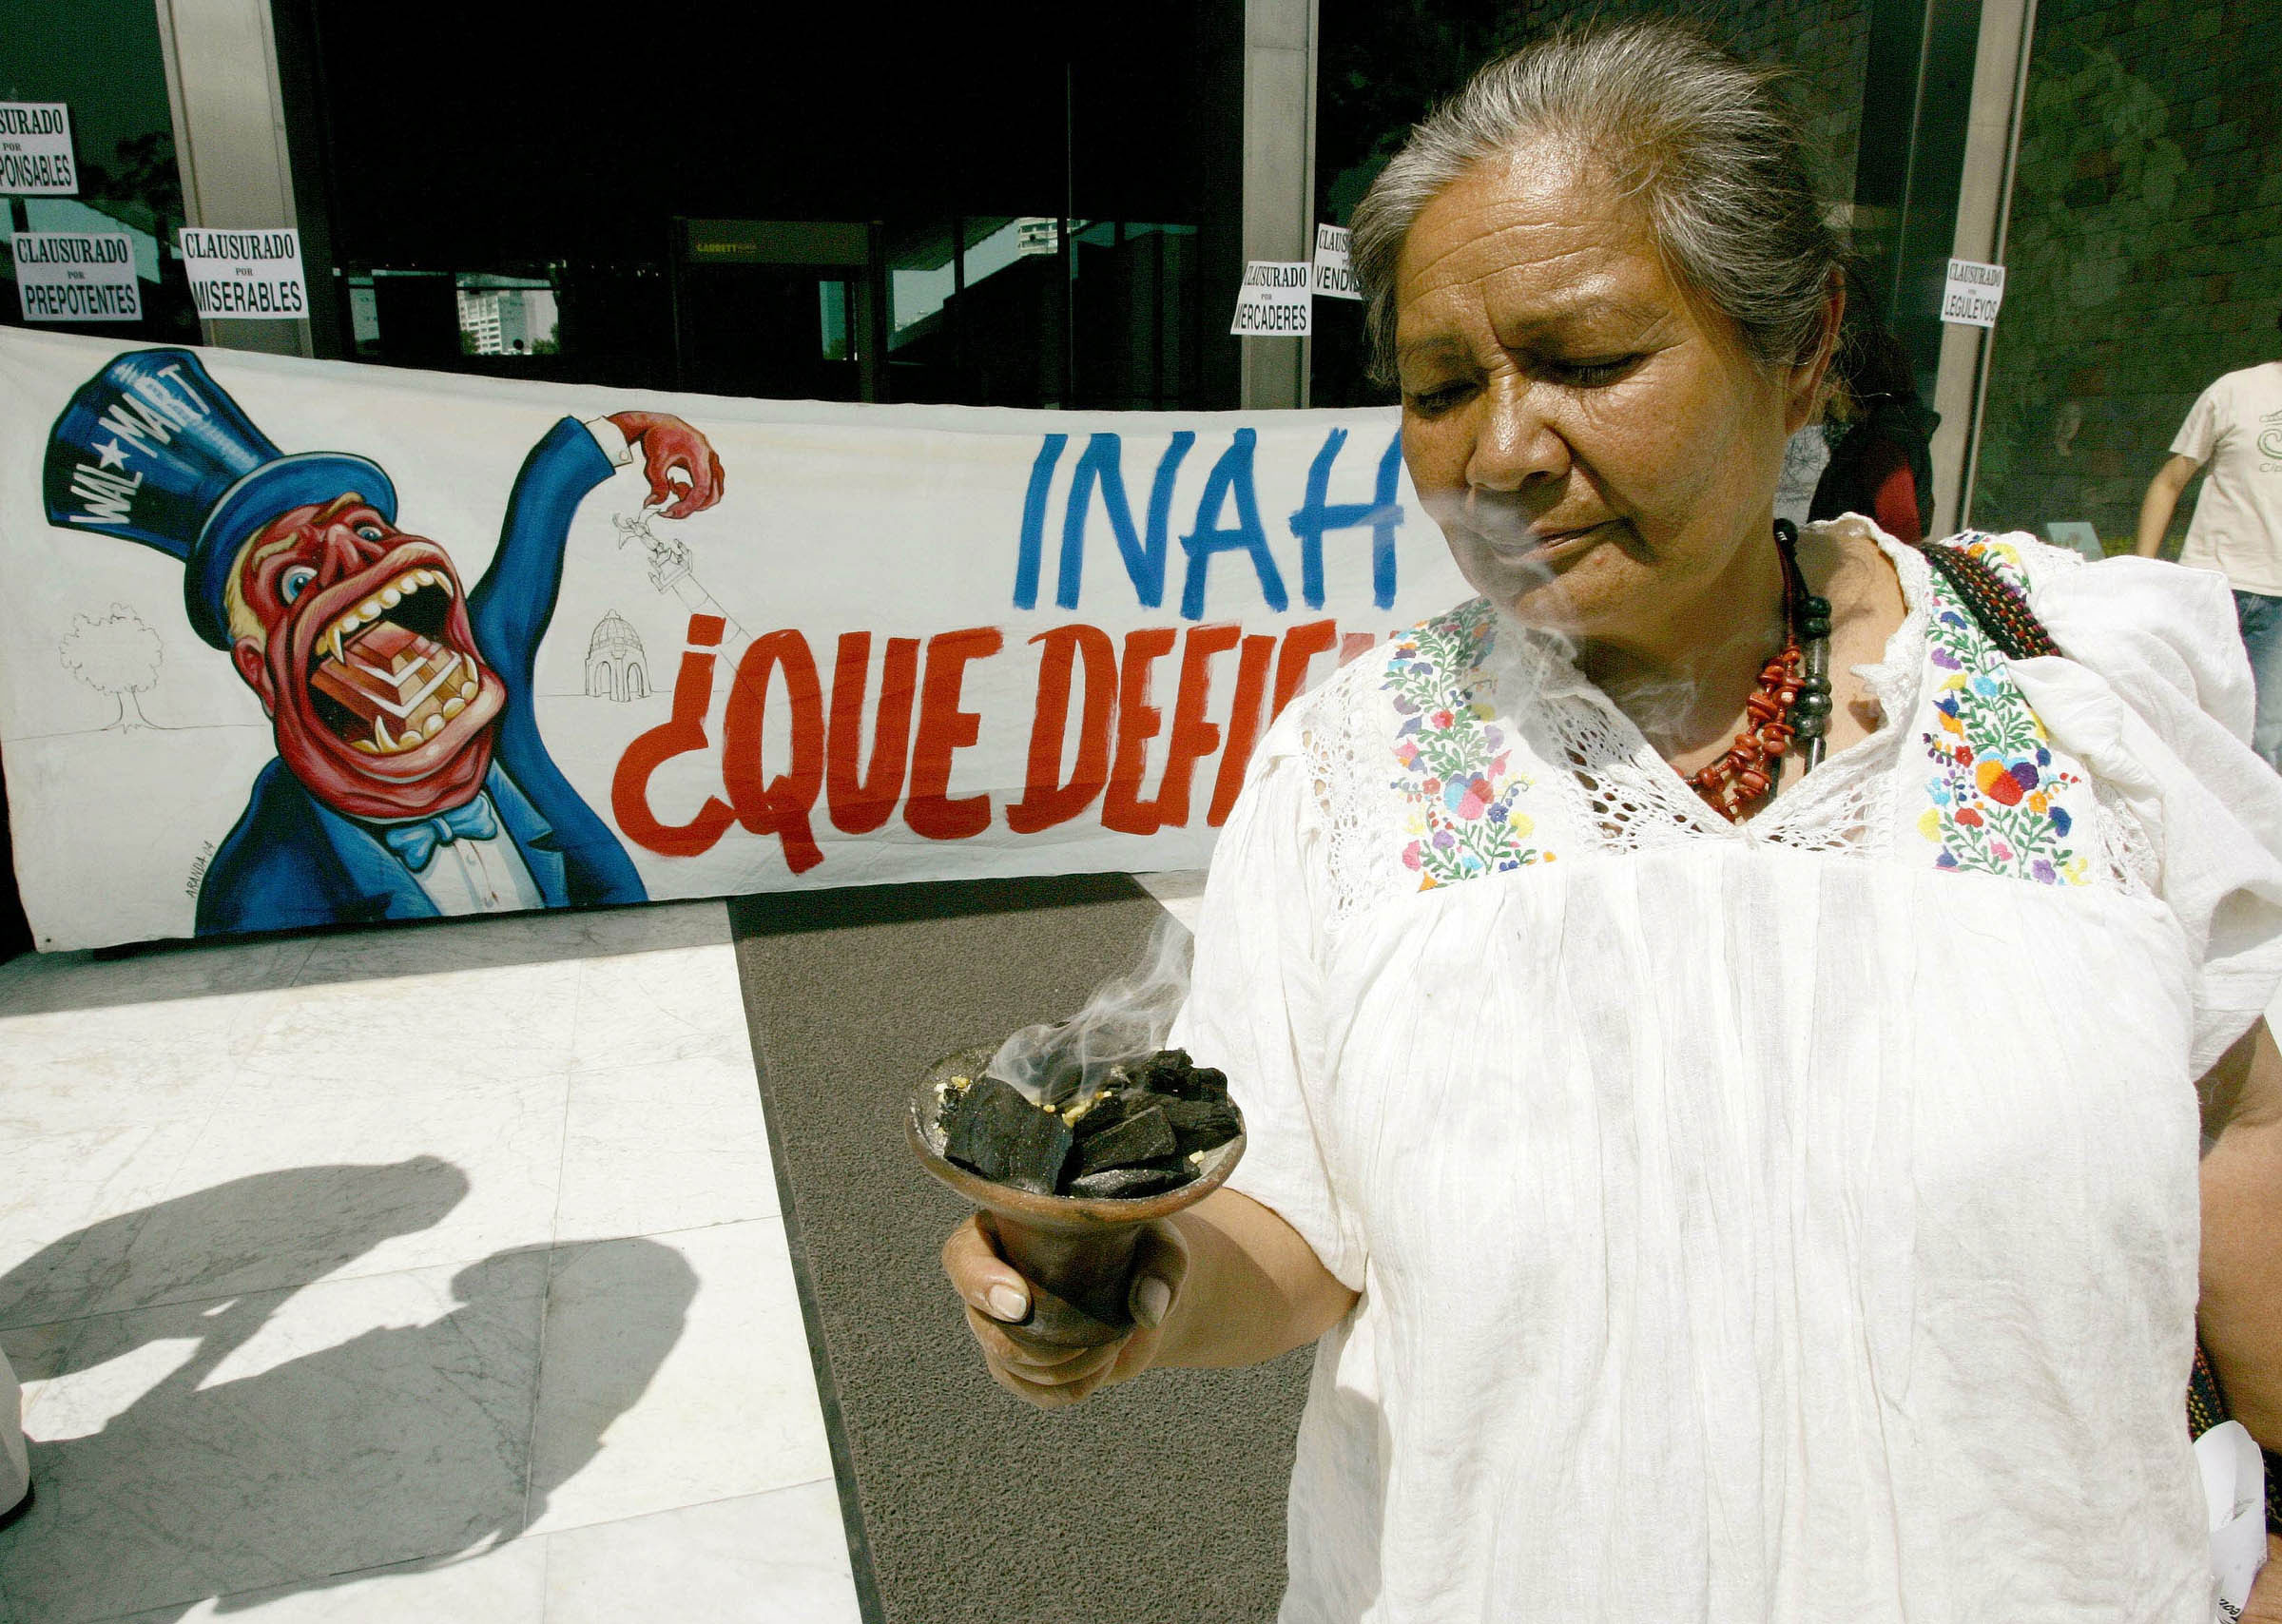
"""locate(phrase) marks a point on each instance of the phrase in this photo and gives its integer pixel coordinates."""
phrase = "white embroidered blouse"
(1791, 1220)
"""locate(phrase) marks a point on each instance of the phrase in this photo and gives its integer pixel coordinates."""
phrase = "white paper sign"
(1972, 294)
(1334, 277)
(77, 276)
(1277, 300)
(35, 149)
(245, 275)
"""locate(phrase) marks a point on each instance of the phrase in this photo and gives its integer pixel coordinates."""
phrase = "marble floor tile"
(507, 940)
(386, 1030)
(61, 1191)
(683, 1358)
(773, 1558)
(351, 1424)
(125, 1062)
(37, 983)
(655, 1147)
(653, 928)
(504, 1585)
(267, 1197)
(35, 1353)
(667, 1003)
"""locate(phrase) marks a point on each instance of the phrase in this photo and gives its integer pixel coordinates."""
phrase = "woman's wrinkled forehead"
(1537, 234)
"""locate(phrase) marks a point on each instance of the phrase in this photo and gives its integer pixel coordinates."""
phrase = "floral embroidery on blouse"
(1999, 802)
(1457, 773)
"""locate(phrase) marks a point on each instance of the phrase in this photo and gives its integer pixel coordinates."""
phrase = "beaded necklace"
(1789, 713)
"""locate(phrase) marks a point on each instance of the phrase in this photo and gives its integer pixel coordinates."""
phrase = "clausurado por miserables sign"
(244, 275)
(287, 642)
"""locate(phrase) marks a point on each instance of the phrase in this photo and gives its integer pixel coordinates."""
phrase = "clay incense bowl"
(1077, 1251)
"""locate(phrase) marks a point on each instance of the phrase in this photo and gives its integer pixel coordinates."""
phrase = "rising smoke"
(1124, 1021)
(1497, 548)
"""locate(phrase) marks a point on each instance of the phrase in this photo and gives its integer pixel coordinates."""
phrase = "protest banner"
(286, 642)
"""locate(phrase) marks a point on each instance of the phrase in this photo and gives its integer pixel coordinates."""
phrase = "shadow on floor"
(291, 1435)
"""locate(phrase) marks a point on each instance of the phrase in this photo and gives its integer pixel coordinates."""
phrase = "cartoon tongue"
(404, 685)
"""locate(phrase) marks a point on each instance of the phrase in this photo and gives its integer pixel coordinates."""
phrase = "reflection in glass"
(2138, 265)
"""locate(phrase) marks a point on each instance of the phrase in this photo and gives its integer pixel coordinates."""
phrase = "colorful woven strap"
(2207, 1408)
(2003, 613)
(2206, 1399)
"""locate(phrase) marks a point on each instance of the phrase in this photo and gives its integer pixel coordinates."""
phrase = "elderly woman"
(1720, 1035)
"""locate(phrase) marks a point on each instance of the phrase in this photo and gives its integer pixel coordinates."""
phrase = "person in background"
(2234, 430)
(1881, 467)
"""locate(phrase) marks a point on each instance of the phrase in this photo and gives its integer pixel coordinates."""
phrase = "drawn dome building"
(617, 667)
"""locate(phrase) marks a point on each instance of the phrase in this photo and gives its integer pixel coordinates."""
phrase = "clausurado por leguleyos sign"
(289, 643)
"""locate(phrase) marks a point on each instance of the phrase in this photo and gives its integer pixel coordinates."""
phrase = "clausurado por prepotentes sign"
(76, 276)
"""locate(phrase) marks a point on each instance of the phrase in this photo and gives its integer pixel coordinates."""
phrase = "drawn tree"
(118, 655)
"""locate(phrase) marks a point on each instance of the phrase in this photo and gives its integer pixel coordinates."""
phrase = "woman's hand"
(997, 1301)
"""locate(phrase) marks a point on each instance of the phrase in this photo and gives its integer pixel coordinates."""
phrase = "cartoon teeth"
(335, 636)
(403, 685)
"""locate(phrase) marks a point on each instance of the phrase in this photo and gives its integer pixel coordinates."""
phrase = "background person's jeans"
(2260, 618)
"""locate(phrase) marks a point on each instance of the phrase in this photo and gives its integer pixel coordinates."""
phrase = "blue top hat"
(152, 450)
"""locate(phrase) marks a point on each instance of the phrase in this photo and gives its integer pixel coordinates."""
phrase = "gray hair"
(1699, 137)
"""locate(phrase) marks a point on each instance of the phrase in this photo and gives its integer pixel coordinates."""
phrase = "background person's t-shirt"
(2235, 429)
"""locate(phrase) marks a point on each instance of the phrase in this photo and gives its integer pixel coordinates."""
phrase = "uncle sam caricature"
(410, 778)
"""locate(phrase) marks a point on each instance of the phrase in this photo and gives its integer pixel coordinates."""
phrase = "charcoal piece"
(1170, 1071)
(1145, 1136)
(994, 1130)
(1201, 1124)
(1148, 1178)
(1059, 1077)
(1109, 1107)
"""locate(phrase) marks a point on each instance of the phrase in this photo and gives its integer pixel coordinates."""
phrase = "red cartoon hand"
(670, 447)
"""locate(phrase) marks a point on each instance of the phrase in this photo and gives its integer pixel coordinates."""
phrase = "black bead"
(1811, 704)
(1816, 607)
(1814, 625)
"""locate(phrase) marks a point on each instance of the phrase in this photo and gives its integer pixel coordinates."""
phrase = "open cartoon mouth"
(391, 670)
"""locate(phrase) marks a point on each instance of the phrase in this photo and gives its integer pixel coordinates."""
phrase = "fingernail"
(1008, 1304)
(1150, 1299)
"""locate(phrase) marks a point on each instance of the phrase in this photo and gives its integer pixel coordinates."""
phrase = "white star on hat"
(109, 455)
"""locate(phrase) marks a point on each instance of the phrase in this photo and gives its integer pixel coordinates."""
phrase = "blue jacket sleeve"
(509, 609)
(510, 606)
